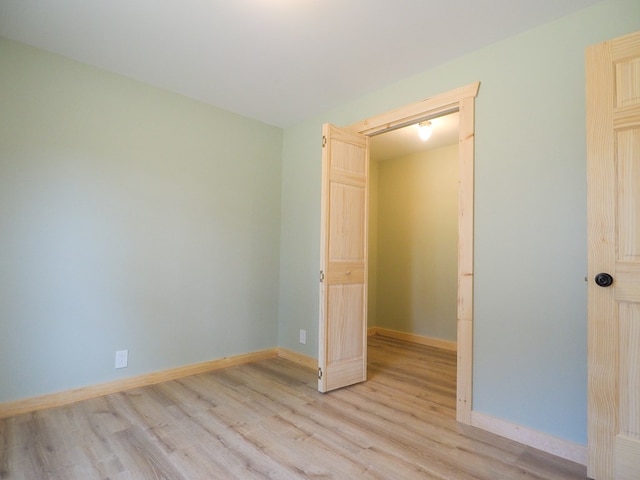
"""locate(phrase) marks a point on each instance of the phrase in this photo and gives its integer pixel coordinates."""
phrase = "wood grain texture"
(613, 172)
(434, 106)
(465, 259)
(298, 358)
(602, 337)
(414, 338)
(342, 354)
(267, 420)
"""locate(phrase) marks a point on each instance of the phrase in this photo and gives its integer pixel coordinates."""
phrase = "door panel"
(345, 322)
(346, 223)
(628, 143)
(613, 165)
(343, 287)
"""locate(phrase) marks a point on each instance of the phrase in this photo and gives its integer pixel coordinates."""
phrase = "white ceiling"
(278, 61)
(405, 141)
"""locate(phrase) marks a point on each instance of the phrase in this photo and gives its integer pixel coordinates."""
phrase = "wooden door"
(343, 259)
(613, 164)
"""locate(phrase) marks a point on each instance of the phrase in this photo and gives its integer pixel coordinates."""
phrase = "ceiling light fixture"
(425, 130)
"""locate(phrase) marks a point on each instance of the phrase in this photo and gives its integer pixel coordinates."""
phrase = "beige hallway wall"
(413, 254)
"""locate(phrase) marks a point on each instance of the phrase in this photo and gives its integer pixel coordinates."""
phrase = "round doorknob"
(603, 279)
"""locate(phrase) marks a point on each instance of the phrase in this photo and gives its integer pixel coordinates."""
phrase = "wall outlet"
(122, 358)
(303, 336)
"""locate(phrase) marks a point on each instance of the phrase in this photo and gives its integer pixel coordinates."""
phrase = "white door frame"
(462, 100)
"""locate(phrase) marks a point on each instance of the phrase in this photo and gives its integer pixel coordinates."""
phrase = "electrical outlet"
(122, 358)
(303, 336)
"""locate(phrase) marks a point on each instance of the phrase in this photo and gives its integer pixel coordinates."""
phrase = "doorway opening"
(413, 233)
(461, 100)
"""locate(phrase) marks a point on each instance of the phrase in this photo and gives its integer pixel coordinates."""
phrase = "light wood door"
(613, 163)
(343, 262)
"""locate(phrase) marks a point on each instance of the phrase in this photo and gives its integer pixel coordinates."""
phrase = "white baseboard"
(532, 438)
(412, 337)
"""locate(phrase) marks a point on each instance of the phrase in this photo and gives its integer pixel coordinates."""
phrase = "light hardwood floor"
(266, 420)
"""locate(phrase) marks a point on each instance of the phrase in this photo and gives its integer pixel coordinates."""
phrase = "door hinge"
(321, 276)
(319, 373)
(324, 141)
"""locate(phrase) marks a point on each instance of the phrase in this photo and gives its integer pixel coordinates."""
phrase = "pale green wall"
(417, 243)
(134, 218)
(530, 212)
(130, 218)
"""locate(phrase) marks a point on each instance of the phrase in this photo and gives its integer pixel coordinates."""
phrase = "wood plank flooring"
(266, 420)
